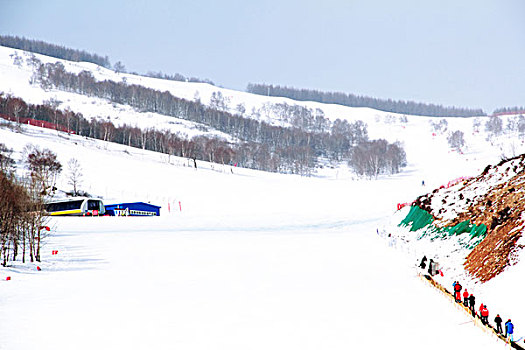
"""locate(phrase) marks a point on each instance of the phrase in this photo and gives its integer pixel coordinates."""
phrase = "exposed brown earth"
(496, 204)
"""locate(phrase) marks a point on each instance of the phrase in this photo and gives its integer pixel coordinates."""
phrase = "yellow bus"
(77, 206)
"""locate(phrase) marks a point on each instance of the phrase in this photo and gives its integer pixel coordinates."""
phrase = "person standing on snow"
(485, 315)
(433, 267)
(509, 330)
(430, 266)
(465, 297)
(423, 262)
(472, 303)
(457, 291)
(480, 308)
(498, 321)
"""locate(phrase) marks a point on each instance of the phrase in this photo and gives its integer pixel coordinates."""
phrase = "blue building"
(132, 209)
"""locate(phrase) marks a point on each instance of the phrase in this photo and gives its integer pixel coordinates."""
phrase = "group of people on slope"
(469, 300)
(433, 266)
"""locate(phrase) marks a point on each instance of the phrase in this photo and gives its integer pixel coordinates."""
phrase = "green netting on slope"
(466, 226)
(475, 233)
(419, 219)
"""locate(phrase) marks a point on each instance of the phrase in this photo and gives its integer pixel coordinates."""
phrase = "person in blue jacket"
(509, 330)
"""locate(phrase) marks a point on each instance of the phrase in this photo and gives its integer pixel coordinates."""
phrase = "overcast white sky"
(463, 53)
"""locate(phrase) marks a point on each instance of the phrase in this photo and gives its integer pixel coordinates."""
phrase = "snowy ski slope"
(253, 260)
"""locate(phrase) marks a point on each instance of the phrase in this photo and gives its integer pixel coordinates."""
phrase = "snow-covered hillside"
(251, 260)
(16, 81)
(415, 133)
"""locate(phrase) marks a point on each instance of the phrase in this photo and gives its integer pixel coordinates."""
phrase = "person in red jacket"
(457, 291)
(465, 297)
(485, 315)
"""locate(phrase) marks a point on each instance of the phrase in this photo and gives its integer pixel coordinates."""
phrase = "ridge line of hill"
(346, 99)
(351, 100)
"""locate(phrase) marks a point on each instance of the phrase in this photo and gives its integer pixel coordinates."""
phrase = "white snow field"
(253, 261)
(250, 260)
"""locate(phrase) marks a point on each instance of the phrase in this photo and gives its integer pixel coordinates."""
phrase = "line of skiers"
(469, 300)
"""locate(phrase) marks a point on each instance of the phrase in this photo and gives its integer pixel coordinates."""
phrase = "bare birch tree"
(75, 174)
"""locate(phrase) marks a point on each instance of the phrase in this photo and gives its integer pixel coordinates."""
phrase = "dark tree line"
(509, 110)
(57, 51)
(150, 139)
(247, 154)
(351, 100)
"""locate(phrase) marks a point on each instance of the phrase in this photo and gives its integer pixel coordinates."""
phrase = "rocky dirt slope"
(495, 198)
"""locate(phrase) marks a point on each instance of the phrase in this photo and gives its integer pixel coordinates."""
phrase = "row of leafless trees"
(267, 147)
(376, 157)
(493, 126)
(307, 129)
(22, 220)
